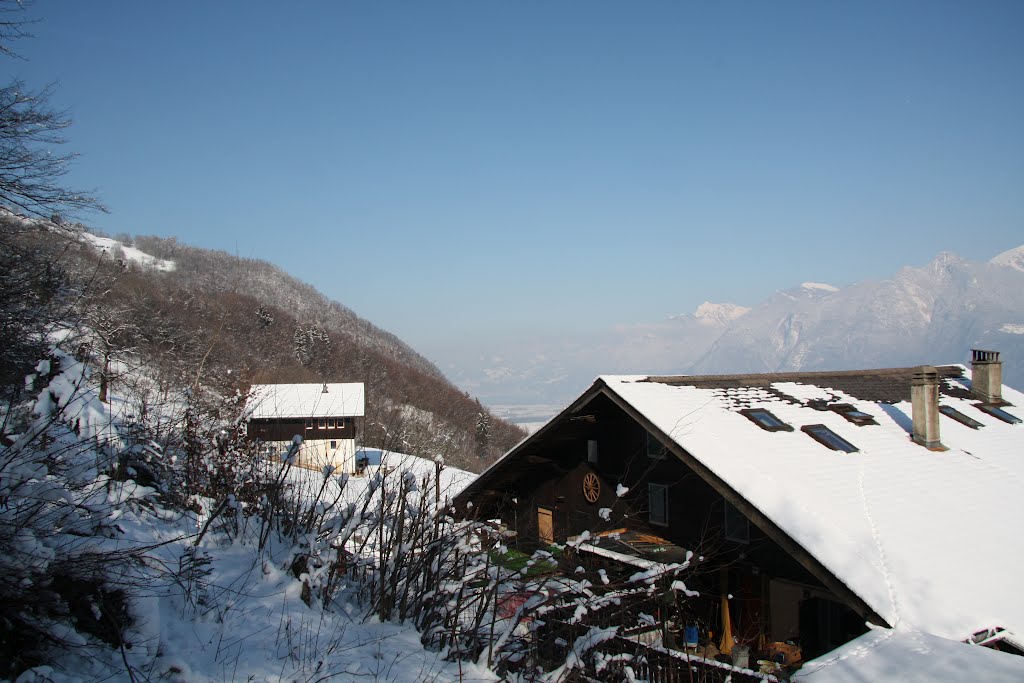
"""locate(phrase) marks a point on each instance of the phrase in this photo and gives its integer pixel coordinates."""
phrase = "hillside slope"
(196, 317)
(222, 273)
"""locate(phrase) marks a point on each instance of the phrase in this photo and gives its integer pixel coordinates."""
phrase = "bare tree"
(30, 129)
(12, 25)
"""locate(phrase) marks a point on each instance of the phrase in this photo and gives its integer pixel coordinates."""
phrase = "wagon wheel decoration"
(591, 487)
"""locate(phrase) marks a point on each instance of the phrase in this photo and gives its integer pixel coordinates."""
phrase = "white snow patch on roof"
(268, 401)
(923, 537)
(106, 244)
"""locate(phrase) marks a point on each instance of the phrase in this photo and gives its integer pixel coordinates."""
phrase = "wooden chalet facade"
(328, 418)
(704, 469)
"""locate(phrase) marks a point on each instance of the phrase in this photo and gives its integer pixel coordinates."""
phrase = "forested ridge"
(222, 323)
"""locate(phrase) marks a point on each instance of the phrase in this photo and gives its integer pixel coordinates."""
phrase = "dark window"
(309, 423)
(766, 420)
(330, 423)
(857, 417)
(736, 526)
(655, 448)
(657, 504)
(323, 423)
(334, 444)
(592, 451)
(827, 437)
(341, 423)
(996, 411)
(950, 411)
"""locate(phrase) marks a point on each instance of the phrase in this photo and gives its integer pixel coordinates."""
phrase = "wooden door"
(545, 526)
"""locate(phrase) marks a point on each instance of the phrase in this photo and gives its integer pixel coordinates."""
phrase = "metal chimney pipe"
(924, 404)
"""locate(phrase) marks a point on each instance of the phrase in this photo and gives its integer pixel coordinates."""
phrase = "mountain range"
(933, 313)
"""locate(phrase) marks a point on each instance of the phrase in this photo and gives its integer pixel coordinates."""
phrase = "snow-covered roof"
(276, 401)
(927, 539)
(910, 656)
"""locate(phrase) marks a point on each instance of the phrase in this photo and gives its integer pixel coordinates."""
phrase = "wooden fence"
(608, 660)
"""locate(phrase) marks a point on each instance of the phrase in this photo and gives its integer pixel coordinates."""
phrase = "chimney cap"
(983, 356)
(924, 374)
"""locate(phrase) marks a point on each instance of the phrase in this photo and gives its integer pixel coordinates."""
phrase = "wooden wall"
(309, 429)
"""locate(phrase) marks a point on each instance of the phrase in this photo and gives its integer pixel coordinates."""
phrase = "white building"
(328, 417)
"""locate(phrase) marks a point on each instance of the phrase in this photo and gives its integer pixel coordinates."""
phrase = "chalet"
(328, 417)
(820, 501)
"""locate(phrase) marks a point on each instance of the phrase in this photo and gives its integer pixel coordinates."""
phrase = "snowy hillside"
(130, 254)
(120, 581)
(248, 322)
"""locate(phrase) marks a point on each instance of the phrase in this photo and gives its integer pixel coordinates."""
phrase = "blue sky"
(474, 174)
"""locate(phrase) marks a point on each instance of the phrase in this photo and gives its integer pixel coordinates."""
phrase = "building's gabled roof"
(278, 401)
(924, 538)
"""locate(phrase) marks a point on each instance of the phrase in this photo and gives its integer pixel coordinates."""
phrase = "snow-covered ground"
(238, 613)
(205, 601)
(246, 621)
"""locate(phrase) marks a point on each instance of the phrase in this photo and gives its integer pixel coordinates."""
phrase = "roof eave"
(490, 472)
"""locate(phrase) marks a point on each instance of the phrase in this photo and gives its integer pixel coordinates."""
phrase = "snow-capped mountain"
(719, 314)
(1014, 258)
(934, 313)
(818, 286)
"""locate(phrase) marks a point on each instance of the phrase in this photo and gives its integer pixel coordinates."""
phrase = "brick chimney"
(924, 403)
(986, 376)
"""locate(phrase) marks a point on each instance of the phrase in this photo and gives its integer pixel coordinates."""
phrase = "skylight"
(857, 417)
(996, 411)
(766, 420)
(950, 411)
(829, 439)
